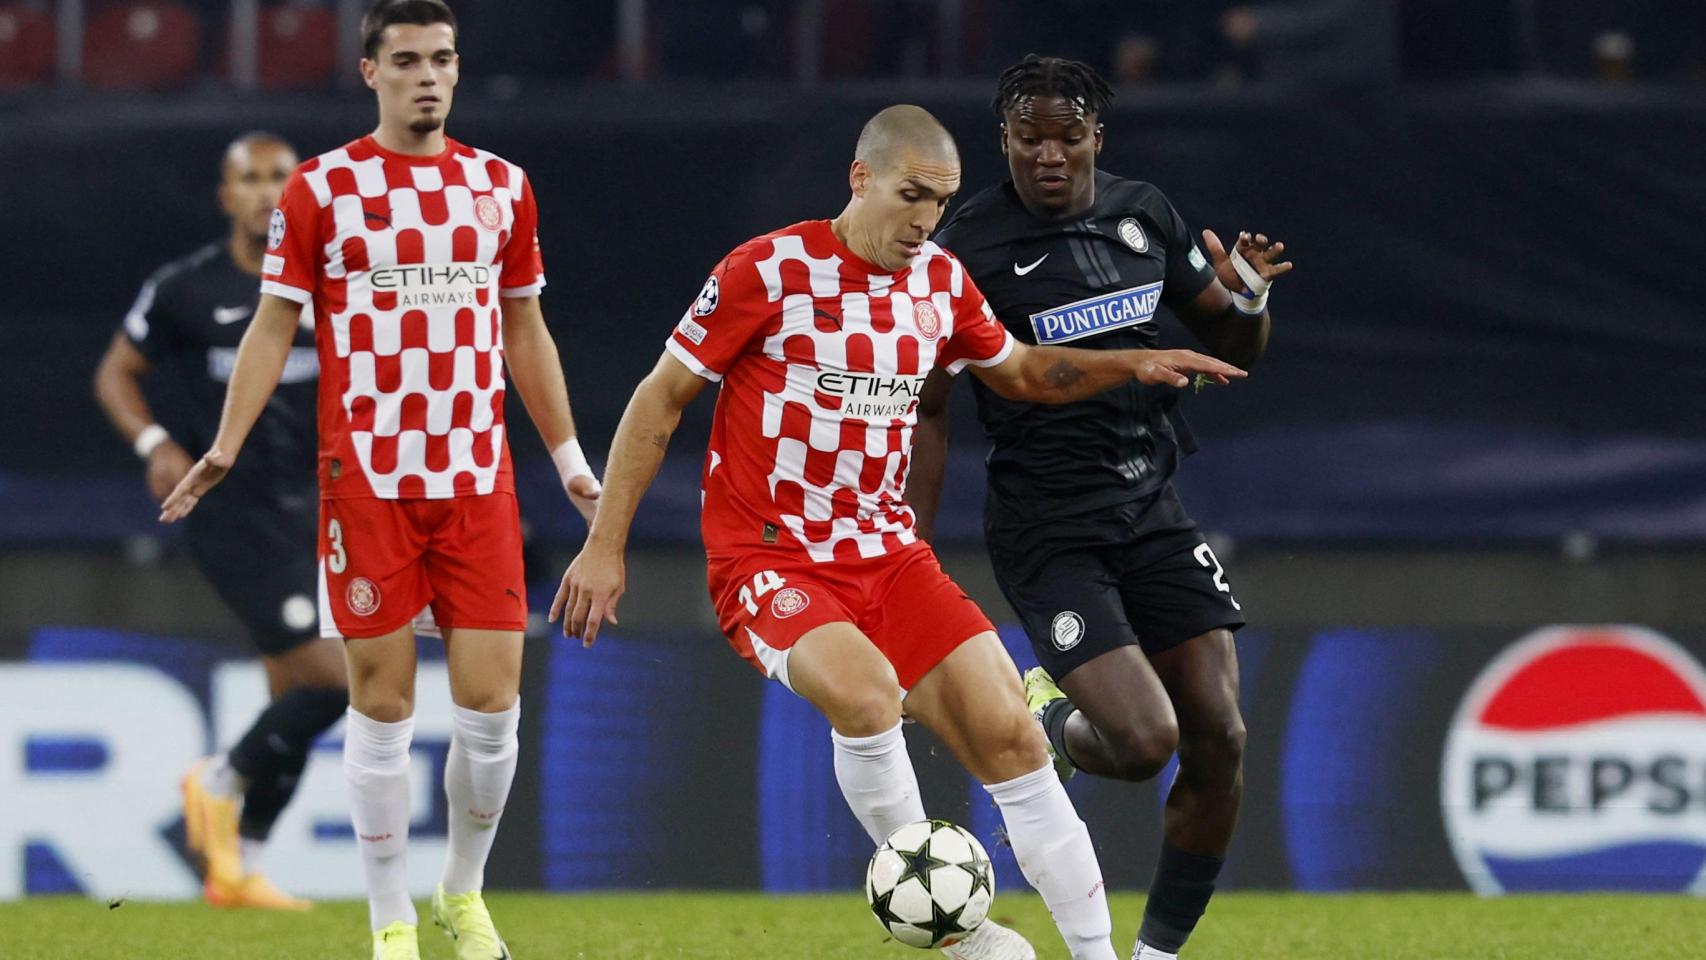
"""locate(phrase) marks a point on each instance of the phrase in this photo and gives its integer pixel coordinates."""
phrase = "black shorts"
(260, 560)
(1079, 600)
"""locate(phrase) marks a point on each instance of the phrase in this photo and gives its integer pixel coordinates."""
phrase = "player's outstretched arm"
(595, 580)
(929, 452)
(1065, 374)
(260, 362)
(1230, 318)
(531, 355)
(118, 389)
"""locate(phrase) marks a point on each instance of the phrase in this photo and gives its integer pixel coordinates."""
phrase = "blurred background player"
(1126, 606)
(255, 545)
(421, 260)
(821, 335)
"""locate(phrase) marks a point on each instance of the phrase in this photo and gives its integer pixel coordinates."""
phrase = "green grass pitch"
(696, 926)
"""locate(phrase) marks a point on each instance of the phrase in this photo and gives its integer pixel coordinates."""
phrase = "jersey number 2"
(762, 584)
(1205, 556)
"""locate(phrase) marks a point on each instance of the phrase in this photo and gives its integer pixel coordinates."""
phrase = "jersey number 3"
(336, 559)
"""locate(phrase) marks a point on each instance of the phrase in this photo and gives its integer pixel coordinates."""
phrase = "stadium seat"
(298, 46)
(26, 46)
(141, 46)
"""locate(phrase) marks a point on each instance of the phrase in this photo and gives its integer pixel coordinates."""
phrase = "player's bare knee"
(1217, 748)
(384, 709)
(865, 707)
(1010, 747)
(1142, 752)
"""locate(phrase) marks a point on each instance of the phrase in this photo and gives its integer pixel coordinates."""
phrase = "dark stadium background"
(1483, 410)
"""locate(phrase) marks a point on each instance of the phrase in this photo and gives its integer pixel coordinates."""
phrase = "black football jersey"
(188, 320)
(1093, 281)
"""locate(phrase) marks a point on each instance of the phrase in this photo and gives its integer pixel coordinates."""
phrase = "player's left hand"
(583, 490)
(204, 476)
(588, 594)
(1257, 250)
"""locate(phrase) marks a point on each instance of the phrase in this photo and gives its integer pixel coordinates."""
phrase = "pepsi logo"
(1577, 761)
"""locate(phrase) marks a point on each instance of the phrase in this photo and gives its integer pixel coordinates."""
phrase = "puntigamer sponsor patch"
(1086, 318)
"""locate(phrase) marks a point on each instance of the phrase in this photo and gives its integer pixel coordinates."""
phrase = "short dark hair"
(384, 13)
(1037, 76)
(245, 141)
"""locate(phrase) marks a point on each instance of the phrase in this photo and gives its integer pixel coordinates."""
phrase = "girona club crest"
(487, 211)
(362, 597)
(929, 323)
(789, 601)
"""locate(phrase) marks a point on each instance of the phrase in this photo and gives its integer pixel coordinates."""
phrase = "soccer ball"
(930, 884)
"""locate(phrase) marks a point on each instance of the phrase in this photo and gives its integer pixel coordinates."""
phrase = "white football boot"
(991, 941)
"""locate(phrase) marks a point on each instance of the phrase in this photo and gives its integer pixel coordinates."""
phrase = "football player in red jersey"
(420, 258)
(821, 335)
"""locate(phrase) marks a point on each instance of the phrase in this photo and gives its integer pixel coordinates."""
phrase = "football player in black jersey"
(1126, 606)
(257, 550)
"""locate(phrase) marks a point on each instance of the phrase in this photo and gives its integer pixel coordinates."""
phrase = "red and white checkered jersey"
(404, 259)
(821, 357)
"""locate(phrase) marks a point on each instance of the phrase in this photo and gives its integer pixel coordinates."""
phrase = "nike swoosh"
(225, 315)
(1021, 271)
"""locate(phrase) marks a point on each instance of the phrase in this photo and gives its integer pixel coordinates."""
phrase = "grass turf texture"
(1242, 926)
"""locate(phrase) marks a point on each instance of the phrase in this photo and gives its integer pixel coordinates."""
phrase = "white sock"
(251, 851)
(477, 776)
(222, 778)
(1146, 952)
(877, 778)
(376, 766)
(1054, 852)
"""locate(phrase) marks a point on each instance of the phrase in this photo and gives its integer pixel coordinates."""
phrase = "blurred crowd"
(1225, 43)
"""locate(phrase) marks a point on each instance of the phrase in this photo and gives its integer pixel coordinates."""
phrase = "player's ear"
(1098, 136)
(858, 177)
(1004, 139)
(369, 69)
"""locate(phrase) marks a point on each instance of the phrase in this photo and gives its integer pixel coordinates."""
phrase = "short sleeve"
(978, 338)
(147, 326)
(723, 320)
(292, 261)
(1188, 271)
(523, 270)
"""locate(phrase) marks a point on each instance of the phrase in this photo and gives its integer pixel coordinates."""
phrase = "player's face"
(1051, 146)
(899, 207)
(414, 72)
(254, 180)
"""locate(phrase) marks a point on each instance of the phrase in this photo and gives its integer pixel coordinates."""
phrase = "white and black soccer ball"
(930, 884)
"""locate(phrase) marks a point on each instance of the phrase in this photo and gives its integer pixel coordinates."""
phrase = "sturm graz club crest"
(1132, 234)
(1067, 630)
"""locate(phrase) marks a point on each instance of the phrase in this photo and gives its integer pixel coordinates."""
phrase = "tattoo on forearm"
(1063, 375)
(660, 440)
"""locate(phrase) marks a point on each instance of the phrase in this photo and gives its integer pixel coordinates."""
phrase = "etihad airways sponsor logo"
(871, 396)
(433, 284)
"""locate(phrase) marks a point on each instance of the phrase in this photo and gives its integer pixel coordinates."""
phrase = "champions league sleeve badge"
(707, 302)
(275, 229)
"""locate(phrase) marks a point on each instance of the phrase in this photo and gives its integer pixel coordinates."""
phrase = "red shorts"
(383, 561)
(902, 601)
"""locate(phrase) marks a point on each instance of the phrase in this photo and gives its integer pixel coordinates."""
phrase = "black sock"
(274, 751)
(1183, 883)
(1055, 716)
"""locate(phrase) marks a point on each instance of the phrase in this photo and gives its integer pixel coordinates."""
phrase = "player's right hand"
(204, 476)
(588, 594)
(167, 466)
(1173, 368)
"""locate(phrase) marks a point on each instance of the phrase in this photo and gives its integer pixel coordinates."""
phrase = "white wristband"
(148, 438)
(1256, 301)
(571, 462)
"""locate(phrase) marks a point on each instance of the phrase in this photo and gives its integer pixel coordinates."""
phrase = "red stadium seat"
(298, 46)
(141, 46)
(26, 46)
